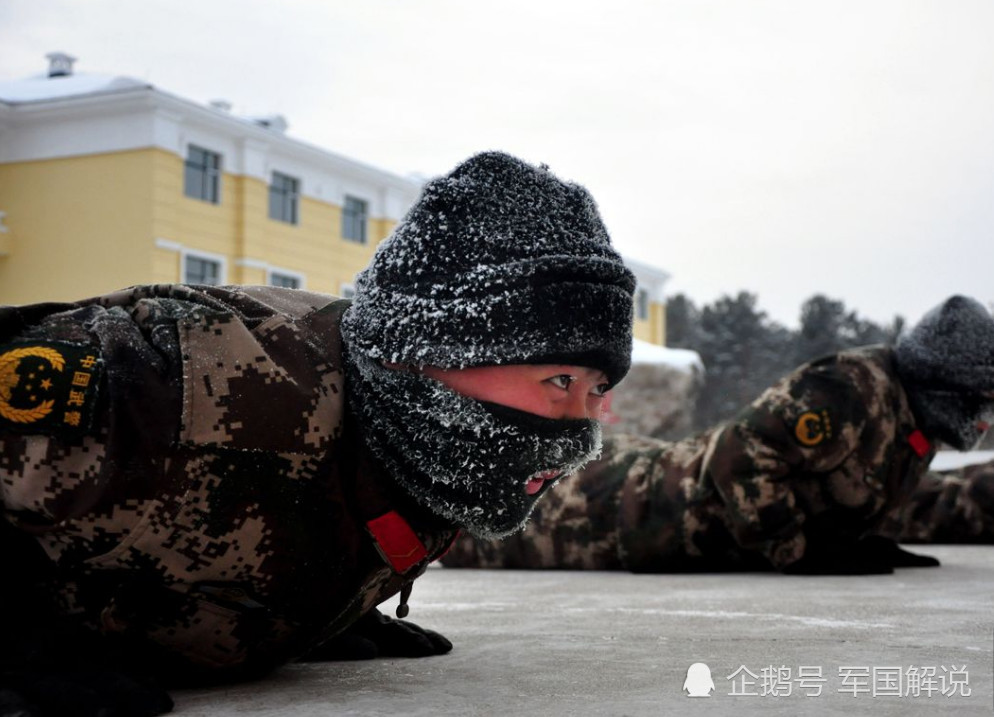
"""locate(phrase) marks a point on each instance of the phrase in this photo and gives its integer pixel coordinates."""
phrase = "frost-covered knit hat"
(946, 365)
(951, 348)
(498, 262)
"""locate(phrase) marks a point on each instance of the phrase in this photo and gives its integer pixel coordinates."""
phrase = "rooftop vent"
(59, 64)
(277, 123)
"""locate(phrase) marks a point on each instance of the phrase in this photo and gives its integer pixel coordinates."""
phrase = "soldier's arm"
(767, 462)
(49, 665)
(62, 378)
(955, 506)
(95, 388)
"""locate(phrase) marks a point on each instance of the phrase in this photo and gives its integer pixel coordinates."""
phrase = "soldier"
(952, 506)
(801, 481)
(207, 482)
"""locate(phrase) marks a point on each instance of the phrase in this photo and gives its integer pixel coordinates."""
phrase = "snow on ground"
(950, 460)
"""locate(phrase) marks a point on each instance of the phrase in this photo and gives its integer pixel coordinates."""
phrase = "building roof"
(42, 88)
(64, 113)
(62, 87)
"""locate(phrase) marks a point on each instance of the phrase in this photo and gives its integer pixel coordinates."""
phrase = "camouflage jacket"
(952, 506)
(184, 457)
(824, 454)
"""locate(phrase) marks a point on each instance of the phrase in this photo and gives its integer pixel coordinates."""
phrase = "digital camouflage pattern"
(955, 506)
(823, 455)
(183, 456)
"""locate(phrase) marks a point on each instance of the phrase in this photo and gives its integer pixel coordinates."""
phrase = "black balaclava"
(946, 365)
(462, 459)
(498, 262)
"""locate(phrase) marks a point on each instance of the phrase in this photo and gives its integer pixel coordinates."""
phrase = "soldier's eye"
(563, 381)
(600, 389)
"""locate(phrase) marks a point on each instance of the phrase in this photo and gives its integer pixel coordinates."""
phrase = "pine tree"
(744, 352)
(682, 321)
(827, 327)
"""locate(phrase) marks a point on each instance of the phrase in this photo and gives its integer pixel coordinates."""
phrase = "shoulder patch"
(813, 427)
(48, 387)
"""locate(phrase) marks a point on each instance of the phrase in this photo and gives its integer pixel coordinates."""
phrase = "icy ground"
(588, 643)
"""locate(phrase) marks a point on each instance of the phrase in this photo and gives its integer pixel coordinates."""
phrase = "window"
(287, 281)
(202, 177)
(284, 194)
(354, 220)
(642, 304)
(198, 270)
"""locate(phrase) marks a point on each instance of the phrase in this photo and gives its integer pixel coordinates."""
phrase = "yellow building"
(650, 302)
(108, 181)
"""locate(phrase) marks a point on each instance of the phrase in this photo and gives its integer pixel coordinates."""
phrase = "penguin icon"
(698, 682)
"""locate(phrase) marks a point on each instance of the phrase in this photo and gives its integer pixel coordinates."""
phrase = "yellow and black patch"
(813, 427)
(48, 387)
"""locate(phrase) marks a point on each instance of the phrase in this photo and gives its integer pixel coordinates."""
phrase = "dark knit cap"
(951, 348)
(498, 262)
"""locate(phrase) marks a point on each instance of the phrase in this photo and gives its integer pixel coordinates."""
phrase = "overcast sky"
(785, 148)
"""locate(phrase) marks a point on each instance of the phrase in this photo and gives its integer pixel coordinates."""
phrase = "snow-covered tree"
(744, 352)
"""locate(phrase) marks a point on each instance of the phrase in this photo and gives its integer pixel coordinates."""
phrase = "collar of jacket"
(919, 443)
(396, 541)
(403, 549)
(913, 435)
(404, 535)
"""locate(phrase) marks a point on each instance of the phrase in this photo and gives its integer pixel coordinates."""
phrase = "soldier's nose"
(583, 405)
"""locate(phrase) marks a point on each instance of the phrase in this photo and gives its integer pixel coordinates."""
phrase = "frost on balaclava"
(498, 262)
(462, 459)
(946, 365)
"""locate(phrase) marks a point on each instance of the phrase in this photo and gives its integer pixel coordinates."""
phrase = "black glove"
(887, 550)
(376, 635)
(839, 558)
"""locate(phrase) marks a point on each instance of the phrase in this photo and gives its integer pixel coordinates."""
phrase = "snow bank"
(950, 460)
(684, 359)
(658, 395)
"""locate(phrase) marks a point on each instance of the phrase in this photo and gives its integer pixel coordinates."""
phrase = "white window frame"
(270, 270)
(221, 260)
(364, 226)
(209, 173)
(642, 302)
(291, 198)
